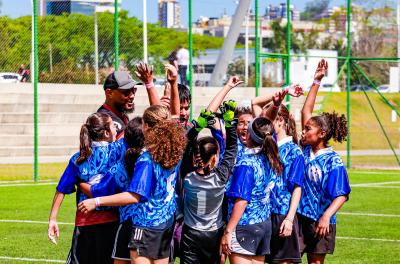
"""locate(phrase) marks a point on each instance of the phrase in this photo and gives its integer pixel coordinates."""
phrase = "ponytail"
(334, 126)
(290, 123)
(93, 130)
(204, 149)
(270, 149)
(261, 132)
(85, 146)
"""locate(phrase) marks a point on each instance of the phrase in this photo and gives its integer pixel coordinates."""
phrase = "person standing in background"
(182, 56)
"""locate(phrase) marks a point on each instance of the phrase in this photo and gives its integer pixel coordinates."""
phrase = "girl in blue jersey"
(93, 232)
(247, 235)
(152, 191)
(286, 195)
(326, 186)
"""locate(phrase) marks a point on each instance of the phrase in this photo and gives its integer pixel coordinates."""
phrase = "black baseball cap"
(120, 80)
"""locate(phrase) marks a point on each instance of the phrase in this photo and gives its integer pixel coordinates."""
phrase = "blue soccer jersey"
(326, 178)
(156, 186)
(252, 180)
(240, 149)
(293, 174)
(115, 181)
(104, 155)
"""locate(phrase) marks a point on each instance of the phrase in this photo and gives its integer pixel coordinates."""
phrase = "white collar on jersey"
(252, 150)
(99, 143)
(284, 141)
(320, 152)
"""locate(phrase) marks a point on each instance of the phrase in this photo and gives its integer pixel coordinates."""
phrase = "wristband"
(316, 82)
(97, 202)
(149, 85)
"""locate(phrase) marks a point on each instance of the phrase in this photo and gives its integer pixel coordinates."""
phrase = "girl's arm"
(272, 111)
(287, 224)
(225, 167)
(238, 209)
(119, 199)
(258, 103)
(323, 224)
(85, 188)
(145, 74)
(53, 231)
(306, 112)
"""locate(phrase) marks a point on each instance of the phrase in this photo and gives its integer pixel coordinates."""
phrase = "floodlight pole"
(116, 35)
(349, 62)
(145, 31)
(96, 46)
(191, 58)
(257, 49)
(288, 48)
(35, 92)
(398, 45)
(246, 49)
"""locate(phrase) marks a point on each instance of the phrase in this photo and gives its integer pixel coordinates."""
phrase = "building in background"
(169, 13)
(279, 12)
(86, 7)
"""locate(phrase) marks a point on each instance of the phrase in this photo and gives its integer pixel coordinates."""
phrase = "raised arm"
(145, 74)
(217, 100)
(306, 112)
(172, 78)
(272, 111)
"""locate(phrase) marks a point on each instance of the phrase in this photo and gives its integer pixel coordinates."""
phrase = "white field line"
(369, 239)
(19, 181)
(31, 222)
(33, 259)
(27, 184)
(376, 172)
(369, 214)
(375, 183)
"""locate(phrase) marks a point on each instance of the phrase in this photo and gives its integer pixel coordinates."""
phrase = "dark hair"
(264, 128)
(135, 139)
(166, 142)
(243, 110)
(203, 150)
(93, 130)
(334, 125)
(184, 93)
(290, 123)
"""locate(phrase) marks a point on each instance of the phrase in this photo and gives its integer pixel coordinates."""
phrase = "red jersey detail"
(96, 217)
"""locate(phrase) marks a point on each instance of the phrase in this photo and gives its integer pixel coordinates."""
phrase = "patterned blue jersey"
(252, 180)
(293, 174)
(104, 155)
(156, 186)
(326, 178)
(240, 149)
(115, 181)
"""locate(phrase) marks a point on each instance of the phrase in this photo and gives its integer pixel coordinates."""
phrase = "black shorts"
(252, 240)
(311, 244)
(199, 247)
(284, 249)
(93, 244)
(122, 239)
(151, 243)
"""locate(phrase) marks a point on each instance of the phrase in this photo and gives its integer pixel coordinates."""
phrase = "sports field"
(368, 225)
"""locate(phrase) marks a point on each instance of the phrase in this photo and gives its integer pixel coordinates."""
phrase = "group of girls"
(250, 191)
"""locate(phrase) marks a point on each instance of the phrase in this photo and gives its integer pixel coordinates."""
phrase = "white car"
(384, 88)
(327, 87)
(9, 77)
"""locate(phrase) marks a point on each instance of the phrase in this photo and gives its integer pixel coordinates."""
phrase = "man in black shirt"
(120, 90)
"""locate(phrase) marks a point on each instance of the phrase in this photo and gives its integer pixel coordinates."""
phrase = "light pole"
(246, 48)
(145, 31)
(96, 46)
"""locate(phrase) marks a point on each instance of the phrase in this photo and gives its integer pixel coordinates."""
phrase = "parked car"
(361, 88)
(9, 77)
(327, 87)
(384, 88)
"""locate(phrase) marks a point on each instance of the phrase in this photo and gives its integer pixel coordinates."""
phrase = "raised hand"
(295, 91)
(321, 70)
(206, 119)
(228, 112)
(144, 72)
(278, 97)
(234, 81)
(171, 72)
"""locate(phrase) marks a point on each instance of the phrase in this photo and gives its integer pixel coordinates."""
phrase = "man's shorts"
(252, 240)
(122, 239)
(311, 244)
(151, 243)
(284, 249)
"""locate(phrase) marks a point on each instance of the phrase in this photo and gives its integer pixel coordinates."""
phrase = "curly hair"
(334, 125)
(154, 114)
(166, 142)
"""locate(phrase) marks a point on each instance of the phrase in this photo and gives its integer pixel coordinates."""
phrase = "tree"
(313, 9)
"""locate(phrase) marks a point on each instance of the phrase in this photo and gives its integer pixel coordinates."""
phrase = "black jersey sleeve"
(224, 169)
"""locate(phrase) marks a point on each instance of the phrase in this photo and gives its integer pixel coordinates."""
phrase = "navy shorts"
(311, 244)
(252, 240)
(122, 239)
(151, 243)
(284, 249)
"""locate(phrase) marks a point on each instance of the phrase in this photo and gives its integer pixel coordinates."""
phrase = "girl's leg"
(119, 261)
(243, 259)
(136, 259)
(315, 258)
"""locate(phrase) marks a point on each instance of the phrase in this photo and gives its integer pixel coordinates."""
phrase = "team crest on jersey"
(315, 173)
(117, 125)
(95, 179)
